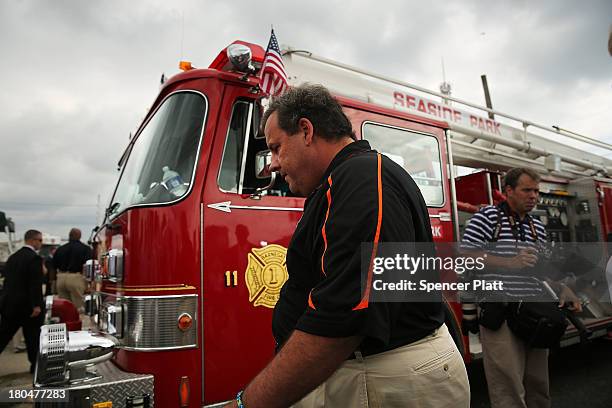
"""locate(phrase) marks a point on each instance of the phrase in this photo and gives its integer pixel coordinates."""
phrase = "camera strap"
(515, 226)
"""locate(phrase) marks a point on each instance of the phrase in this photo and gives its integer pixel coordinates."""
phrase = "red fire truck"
(191, 255)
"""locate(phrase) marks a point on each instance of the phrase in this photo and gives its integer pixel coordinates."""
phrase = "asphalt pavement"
(14, 372)
(580, 377)
(15, 368)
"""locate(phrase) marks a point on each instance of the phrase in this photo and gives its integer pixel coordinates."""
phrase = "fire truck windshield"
(160, 167)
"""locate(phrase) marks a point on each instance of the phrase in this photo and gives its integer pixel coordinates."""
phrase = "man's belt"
(367, 353)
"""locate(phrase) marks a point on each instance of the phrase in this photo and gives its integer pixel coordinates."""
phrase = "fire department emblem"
(265, 274)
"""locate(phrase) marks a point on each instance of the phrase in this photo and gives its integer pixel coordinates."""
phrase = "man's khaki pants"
(71, 286)
(517, 375)
(429, 373)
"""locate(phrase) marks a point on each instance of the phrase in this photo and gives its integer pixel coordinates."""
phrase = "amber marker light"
(184, 392)
(184, 322)
(185, 65)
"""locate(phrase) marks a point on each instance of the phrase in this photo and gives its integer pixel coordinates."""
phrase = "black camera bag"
(539, 324)
(492, 314)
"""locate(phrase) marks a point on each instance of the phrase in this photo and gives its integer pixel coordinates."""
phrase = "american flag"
(273, 75)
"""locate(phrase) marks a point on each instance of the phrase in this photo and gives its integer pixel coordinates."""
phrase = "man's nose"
(274, 165)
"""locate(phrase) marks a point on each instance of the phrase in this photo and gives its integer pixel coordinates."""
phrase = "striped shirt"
(480, 234)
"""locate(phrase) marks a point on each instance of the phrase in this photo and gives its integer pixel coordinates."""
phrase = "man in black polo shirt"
(68, 261)
(327, 330)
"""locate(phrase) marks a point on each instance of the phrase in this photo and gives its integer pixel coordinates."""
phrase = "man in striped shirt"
(517, 374)
(510, 236)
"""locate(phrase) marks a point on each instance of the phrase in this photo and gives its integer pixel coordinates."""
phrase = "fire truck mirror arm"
(258, 193)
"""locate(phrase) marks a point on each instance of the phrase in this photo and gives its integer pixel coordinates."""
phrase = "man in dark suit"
(22, 301)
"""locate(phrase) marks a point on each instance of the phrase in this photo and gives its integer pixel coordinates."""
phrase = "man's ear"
(306, 130)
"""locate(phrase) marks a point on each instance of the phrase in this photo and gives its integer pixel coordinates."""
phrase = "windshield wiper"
(126, 153)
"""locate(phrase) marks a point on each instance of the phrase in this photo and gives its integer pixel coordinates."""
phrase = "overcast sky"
(79, 76)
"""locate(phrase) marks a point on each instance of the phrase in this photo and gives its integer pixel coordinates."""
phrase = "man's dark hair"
(315, 103)
(31, 234)
(512, 176)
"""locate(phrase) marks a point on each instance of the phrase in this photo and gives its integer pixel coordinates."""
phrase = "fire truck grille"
(51, 365)
(152, 322)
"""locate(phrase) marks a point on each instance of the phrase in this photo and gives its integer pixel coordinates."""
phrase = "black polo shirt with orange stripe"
(363, 197)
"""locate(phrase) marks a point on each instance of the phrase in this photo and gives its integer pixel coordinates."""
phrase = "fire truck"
(191, 254)
(7, 232)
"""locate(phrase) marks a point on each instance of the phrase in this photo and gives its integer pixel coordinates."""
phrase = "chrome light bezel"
(110, 319)
(240, 57)
(115, 265)
(91, 269)
(92, 304)
(112, 266)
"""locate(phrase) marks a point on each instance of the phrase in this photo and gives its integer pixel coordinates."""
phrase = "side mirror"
(263, 160)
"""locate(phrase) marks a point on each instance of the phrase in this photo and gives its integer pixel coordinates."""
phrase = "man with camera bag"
(515, 336)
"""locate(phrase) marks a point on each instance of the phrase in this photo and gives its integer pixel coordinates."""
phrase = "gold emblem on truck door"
(265, 274)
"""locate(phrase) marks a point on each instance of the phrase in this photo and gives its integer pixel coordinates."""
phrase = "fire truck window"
(161, 163)
(418, 153)
(229, 175)
(239, 166)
